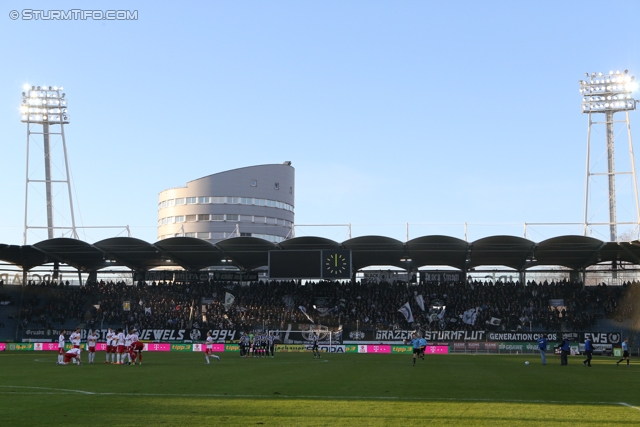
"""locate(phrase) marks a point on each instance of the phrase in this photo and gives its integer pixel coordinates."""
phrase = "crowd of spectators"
(274, 304)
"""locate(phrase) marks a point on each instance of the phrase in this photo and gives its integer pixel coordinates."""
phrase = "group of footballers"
(260, 345)
(125, 349)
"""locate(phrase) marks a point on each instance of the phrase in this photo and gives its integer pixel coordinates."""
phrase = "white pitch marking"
(48, 388)
(284, 396)
(629, 406)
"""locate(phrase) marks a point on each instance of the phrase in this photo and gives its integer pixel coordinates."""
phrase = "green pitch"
(339, 390)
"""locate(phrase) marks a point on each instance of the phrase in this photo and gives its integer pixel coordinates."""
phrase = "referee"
(415, 343)
(625, 352)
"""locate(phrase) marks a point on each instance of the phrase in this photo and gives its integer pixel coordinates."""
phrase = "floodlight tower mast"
(609, 94)
(46, 106)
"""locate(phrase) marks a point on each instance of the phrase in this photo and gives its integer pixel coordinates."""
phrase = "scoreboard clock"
(336, 264)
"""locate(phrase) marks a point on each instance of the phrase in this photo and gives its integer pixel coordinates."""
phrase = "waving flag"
(406, 311)
(304, 311)
(228, 300)
(469, 316)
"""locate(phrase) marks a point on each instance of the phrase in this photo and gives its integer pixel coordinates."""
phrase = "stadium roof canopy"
(249, 253)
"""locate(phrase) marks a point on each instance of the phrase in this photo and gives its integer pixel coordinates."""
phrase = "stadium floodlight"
(608, 94)
(612, 92)
(43, 104)
(46, 106)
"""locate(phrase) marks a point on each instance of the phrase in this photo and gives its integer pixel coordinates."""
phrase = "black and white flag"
(420, 302)
(406, 311)
(228, 300)
(494, 321)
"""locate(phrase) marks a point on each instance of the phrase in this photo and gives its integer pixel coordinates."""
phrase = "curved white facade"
(256, 201)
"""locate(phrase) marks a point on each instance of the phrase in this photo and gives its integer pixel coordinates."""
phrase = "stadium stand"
(503, 306)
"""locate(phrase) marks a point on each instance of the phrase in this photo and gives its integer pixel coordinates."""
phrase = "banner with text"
(400, 335)
(143, 334)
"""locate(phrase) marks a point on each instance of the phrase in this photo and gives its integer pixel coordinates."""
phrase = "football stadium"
(222, 309)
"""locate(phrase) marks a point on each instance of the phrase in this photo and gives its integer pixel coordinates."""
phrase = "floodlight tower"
(607, 95)
(46, 106)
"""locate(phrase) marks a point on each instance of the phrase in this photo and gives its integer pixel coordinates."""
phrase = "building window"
(191, 218)
(204, 200)
(203, 235)
(276, 186)
(190, 234)
(203, 217)
(254, 182)
(192, 200)
(245, 234)
(217, 217)
(180, 218)
(231, 217)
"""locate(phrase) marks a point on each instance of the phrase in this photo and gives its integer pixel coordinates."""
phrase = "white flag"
(406, 311)
(228, 300)
(441, 314)
(304, 311)
(494, 321)
(420, 302)
(469, 316)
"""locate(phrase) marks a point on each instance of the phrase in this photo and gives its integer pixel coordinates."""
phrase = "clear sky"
(392, 112)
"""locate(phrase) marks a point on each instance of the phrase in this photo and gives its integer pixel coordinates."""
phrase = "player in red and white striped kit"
(120, 347)
(92, 339)
(209, 348)
(136, 347)
(61, 340)
(73, 354)
(127, 349)
(110, 348)
(75, 338)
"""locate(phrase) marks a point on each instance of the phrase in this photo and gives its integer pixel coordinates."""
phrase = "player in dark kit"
(588, 351)
(315, 349)
(243, 345)
(272, 345)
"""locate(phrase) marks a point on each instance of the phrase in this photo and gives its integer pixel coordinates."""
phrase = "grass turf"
(294, 389)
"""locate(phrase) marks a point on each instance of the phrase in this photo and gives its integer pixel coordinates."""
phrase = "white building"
(254, 201)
